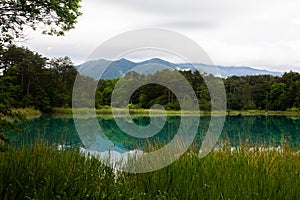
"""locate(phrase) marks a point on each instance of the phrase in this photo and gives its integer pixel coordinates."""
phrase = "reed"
(42, 172)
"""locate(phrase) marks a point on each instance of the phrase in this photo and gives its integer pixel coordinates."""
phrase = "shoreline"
(172, 112)
(29, 113)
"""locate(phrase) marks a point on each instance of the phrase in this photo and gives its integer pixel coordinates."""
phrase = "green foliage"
(6, 123)
(261, 92)
(64, 75)
(150, 94)
(277, 96)
(41, 172)
(29, 81)
(56, 17)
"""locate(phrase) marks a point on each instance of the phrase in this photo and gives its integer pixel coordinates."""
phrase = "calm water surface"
(55, 130)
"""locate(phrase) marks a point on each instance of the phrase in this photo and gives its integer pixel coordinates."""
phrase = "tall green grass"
(41, 172)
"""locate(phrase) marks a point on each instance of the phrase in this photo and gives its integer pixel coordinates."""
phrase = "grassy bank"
(27, 112)
(41, 172)
(263, 112)
(107, 110)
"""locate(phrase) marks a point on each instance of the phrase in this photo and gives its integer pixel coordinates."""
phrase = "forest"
(28, 79)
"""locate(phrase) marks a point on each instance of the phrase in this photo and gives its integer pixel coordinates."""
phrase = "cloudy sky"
(264, 34)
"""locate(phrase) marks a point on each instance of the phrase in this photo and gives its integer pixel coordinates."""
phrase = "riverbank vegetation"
(40, 172)
(27, 112)
(141, 111)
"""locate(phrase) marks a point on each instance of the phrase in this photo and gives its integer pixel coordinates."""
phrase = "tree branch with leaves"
(53, 17)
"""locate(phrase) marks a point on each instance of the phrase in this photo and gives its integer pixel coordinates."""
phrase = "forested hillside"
(31, 80)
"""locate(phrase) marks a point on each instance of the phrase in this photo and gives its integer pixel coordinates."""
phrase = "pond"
(253, 130)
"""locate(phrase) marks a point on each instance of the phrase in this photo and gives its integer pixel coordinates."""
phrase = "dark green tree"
(277, 97)
(64, 74)
(24, 71)
(292, 90)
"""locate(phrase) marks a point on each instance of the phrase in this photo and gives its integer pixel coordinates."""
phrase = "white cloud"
(260, 33)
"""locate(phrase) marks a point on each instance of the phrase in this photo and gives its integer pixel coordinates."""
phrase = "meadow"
(43, 172)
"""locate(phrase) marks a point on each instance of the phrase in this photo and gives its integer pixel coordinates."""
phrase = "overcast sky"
(264, 34)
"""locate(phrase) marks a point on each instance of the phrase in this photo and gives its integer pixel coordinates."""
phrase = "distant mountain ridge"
(118, 68)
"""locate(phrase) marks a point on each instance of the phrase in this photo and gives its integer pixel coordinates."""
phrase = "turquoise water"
(270, 130)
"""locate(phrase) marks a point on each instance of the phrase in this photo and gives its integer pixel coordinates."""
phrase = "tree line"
(260, 92)
(30, 80)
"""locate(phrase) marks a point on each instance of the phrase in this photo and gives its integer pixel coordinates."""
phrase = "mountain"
(114, 69)
(118, 68)
(153, 65)
(226, 71)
